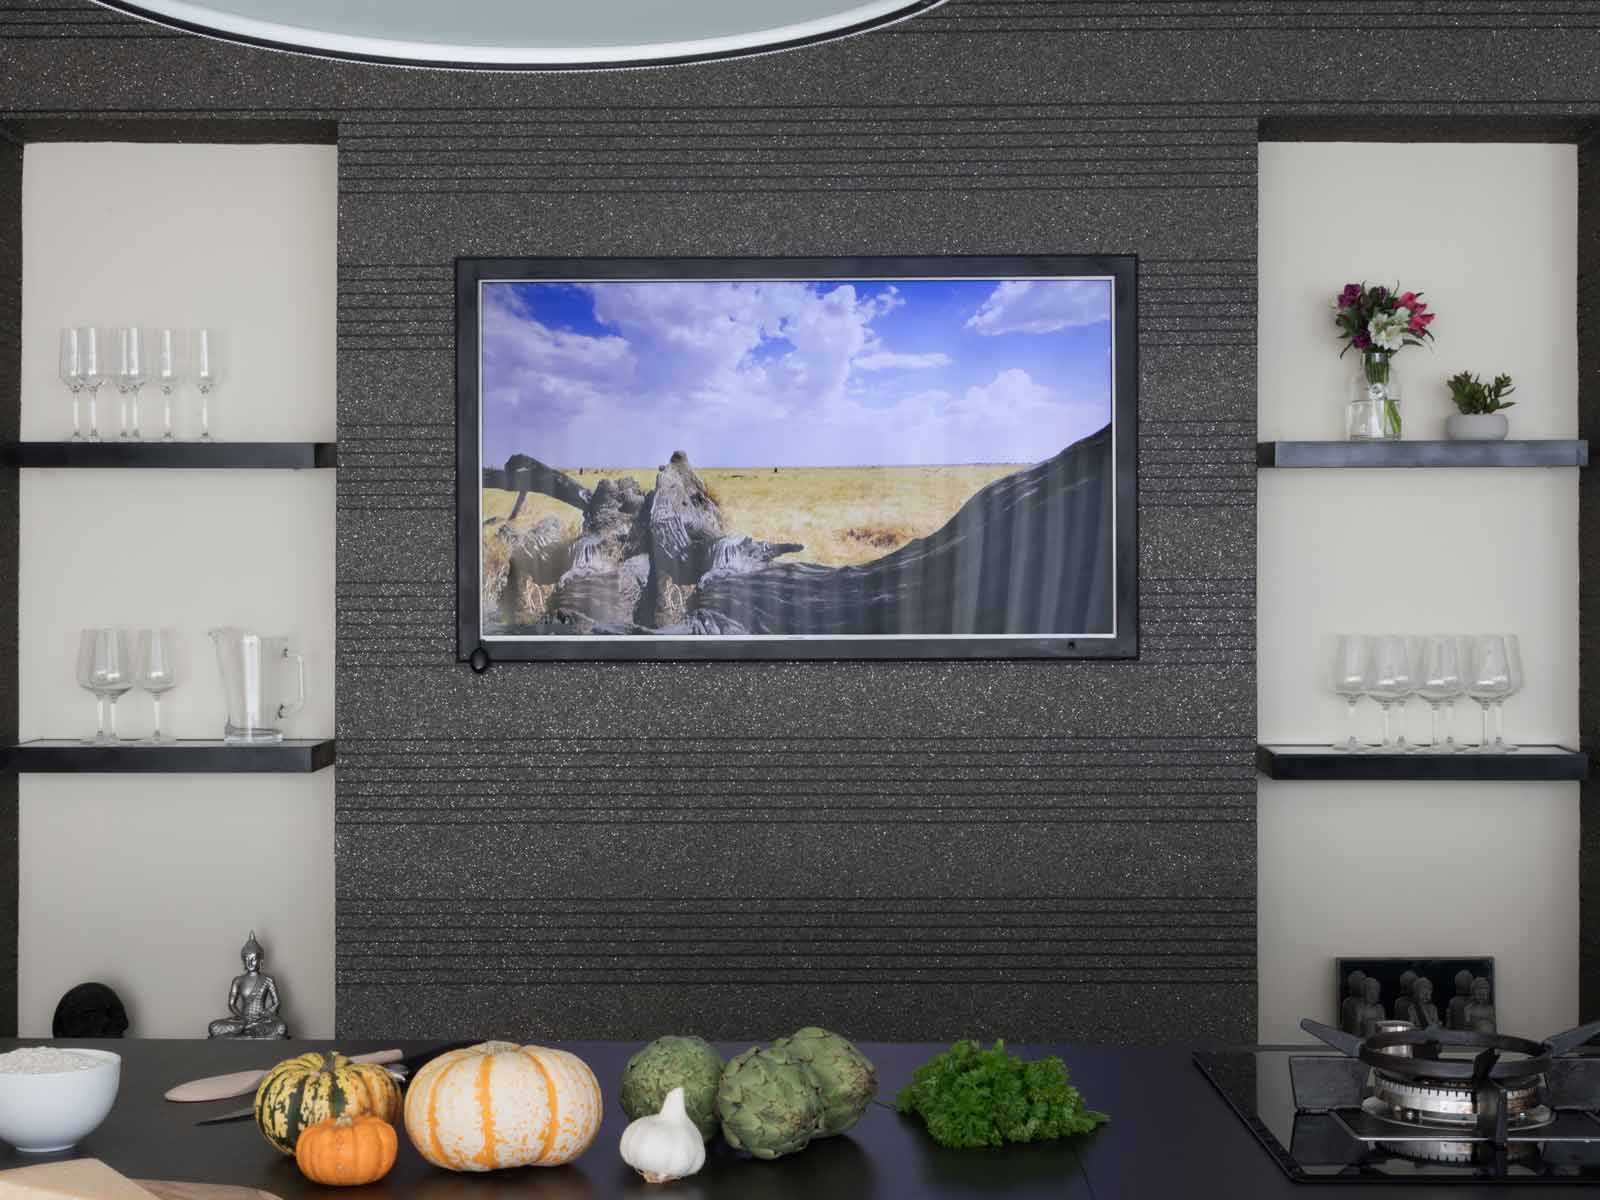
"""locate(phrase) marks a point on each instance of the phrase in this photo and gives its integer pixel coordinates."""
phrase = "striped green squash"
(299, 1092)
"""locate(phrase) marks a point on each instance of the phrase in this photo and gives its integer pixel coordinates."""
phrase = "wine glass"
(1391, 681)
(206, 364)
(1488, 679)
(71, 372)
(1439, 682)
(158, 671)
(170, 367)
(94, 346)
(133, 369)
(1352, 660)
(1514, 673)
(105, 667)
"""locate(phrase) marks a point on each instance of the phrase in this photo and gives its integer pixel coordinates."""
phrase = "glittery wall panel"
(908, 850)
(1061, 850)
(1589, 571)
(10, 414)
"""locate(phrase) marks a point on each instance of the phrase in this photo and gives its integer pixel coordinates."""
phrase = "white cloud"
(748, 374)
(1042, 306)
(888, 360)
(553, 370)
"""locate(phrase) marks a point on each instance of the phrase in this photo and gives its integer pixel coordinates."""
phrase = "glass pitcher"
(253, 669)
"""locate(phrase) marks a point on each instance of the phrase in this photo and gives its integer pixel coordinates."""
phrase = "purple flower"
(1351, 294)
(1362, 340)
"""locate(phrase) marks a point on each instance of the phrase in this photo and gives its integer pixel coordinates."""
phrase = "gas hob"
(1424, 1105)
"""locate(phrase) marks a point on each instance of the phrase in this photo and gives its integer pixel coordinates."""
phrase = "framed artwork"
(796, 458)
(1460, 991)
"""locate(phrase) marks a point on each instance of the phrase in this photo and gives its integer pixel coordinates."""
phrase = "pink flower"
(1409, 300)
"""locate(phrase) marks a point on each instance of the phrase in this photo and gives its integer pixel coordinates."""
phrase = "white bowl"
(40, 1113)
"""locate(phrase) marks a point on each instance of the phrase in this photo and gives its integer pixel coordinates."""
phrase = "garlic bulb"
(666, 1146)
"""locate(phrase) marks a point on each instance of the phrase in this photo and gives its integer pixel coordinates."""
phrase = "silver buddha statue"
(252, 1001)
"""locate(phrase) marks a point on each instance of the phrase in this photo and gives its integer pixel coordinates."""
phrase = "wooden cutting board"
(168, 1190)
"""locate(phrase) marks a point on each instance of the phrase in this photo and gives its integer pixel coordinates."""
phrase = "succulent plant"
(769, 1102)
(669, 1062)
(847, 1077)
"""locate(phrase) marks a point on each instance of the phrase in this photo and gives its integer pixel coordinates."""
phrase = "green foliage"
(1473, 396)
(969, 1096)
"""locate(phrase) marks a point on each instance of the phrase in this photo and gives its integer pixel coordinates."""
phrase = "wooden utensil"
(242, 1083)
(167, 1189)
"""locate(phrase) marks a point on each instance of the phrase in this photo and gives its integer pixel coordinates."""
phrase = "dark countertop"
(1170, 1134)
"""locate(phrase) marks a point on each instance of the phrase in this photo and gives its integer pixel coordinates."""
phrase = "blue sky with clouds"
(791, 373)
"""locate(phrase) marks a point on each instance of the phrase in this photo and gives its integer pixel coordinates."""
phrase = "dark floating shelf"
(1550, 453)
(66, 756)
(1530, 764)
(275, 456)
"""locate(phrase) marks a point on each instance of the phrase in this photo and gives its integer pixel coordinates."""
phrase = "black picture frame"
(1122, 643)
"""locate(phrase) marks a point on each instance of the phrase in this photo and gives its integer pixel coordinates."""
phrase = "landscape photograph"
(797, 458)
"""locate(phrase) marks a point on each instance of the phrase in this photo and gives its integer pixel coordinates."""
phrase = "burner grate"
(1497, 1085)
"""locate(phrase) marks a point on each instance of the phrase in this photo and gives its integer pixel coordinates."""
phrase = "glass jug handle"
(285, 710)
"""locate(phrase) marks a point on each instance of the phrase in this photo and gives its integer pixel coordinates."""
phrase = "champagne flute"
(171, 367)
(1488, 680)
(158, 671)
(71, 372)
(1392, 682)
(1439, 682)
(133, 369)
(94, 344)
(206, 364)
(1352, 662)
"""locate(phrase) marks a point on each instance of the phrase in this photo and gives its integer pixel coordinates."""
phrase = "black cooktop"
(1326, 1140)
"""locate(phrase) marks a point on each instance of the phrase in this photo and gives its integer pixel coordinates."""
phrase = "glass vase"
(1374, 414)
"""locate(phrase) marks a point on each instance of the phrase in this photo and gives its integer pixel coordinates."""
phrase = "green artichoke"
(770, 1103)
(668, 1062)
(847, 1077)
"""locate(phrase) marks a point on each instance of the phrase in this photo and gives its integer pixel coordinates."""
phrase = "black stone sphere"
(90, 1010)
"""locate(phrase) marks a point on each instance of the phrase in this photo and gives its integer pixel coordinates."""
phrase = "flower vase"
(1374, 414)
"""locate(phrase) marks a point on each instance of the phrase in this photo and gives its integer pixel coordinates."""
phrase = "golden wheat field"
(843, 515)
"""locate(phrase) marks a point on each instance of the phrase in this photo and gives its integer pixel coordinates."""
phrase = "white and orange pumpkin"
(502, 1105)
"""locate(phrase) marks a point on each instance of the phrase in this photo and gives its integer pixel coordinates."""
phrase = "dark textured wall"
(1043, 850)
(1589, 569)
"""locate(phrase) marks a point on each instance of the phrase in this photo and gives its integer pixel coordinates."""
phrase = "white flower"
(1387, 330)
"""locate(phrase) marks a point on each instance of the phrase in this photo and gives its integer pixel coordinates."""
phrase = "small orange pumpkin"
(347, 1151)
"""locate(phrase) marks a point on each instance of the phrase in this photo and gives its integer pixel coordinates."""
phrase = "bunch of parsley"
(969, 1096)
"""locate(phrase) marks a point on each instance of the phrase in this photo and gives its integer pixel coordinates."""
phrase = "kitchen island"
(1170, 1134)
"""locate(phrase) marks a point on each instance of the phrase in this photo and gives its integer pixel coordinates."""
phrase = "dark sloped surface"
(1030, 553)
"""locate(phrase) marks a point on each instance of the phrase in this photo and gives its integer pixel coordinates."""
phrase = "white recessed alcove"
(1407, 868)
(150, 882)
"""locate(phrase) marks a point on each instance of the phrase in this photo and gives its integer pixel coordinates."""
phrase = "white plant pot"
(1476, 427)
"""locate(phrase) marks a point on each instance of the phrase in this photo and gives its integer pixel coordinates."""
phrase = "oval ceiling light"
(526, 35)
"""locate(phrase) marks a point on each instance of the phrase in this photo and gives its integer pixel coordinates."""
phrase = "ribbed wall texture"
(1040, 850)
